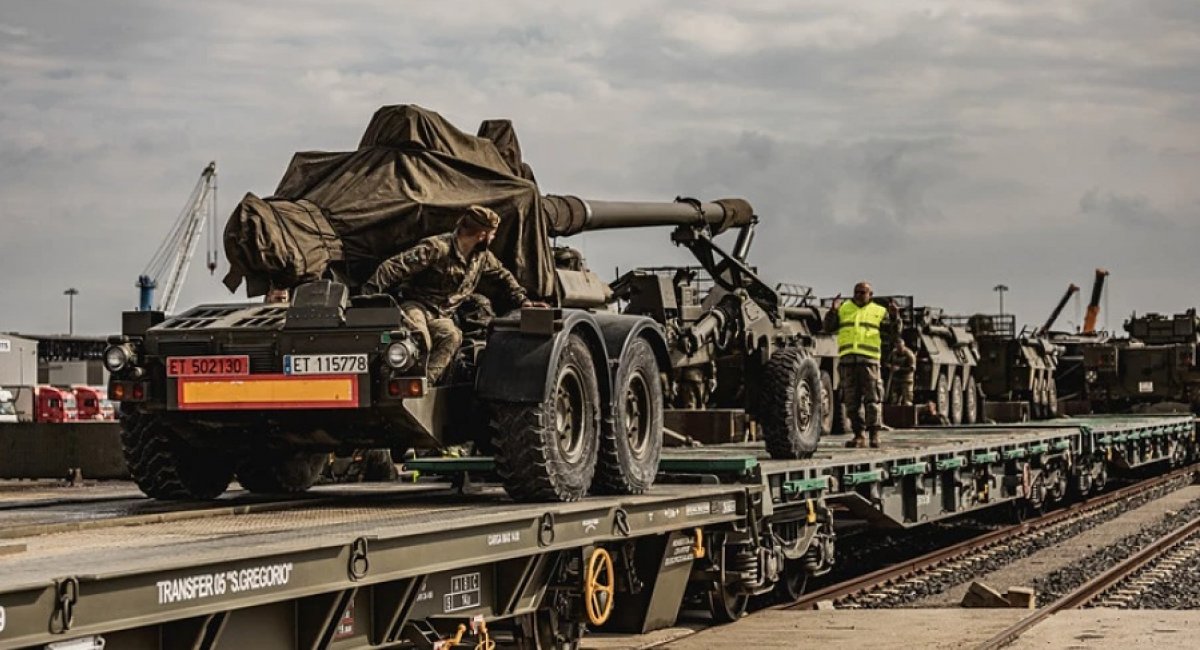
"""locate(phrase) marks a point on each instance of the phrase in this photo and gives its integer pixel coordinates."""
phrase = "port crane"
(169, 265)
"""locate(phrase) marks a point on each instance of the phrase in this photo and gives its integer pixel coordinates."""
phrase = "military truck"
(738, 346)
(1013, 367)
(946, 357)
(568, 398)
(1157, 363)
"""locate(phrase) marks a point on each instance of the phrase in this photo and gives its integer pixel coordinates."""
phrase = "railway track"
(886, 586)
(1172, 550)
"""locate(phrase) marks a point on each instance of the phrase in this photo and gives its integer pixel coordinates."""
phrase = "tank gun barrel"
(570, 215)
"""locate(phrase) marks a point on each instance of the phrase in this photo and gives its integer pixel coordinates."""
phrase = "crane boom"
(170, 263)
(1072, 289)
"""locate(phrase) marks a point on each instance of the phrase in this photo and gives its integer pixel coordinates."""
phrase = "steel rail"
(915, 566)
(1089, 590)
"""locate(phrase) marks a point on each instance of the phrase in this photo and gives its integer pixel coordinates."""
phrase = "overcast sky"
(937, 148)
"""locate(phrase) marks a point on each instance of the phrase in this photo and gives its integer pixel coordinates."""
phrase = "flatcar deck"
(412, 562)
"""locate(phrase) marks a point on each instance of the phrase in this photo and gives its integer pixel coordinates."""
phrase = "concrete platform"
(1119, 629)
(904, 629)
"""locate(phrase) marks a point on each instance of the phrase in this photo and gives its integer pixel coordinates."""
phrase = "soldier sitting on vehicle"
(902, 363)
(438, 273)
(858, 324)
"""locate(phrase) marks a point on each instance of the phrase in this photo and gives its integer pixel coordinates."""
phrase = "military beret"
(477, 215)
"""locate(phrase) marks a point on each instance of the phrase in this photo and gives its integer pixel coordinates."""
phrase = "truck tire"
(1051, 398)
(941, 397)
(971, 402)
(378, 466)
(956, 401)
(790, 404)
(274, 473)
(547, 451)
(165, 467)
(1036, 400)
(631, 443)
(828, 404)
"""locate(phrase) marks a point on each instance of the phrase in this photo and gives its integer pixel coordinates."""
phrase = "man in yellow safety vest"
(858, 323)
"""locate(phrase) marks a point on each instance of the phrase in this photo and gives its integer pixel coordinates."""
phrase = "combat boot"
(857, 442)
(875, 438)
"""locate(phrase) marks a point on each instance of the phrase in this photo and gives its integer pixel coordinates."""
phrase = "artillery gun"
(1013, 367)
(1158, 363)
(568, 398)
(738, 347)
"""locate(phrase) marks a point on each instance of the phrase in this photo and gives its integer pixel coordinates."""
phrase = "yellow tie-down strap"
(268, 392)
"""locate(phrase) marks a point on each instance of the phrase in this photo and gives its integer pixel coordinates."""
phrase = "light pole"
(1000, 289)
(70, 294)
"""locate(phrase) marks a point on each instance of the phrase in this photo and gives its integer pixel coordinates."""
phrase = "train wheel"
(790, 404)
(273, 473)
(725, 605)
(971, 401)
(547, 451)
(791, 584)
(956, 401)
(164, 466)
(549, 629)
(630, 445)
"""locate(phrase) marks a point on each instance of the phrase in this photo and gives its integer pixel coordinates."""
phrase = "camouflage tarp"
(410, 177)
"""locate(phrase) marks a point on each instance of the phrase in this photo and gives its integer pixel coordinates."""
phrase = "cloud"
(939, 146)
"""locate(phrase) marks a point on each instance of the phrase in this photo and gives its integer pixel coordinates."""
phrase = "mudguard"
(515, 366)
(620, 330)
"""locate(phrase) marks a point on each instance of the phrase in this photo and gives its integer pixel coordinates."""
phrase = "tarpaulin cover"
(411, 176)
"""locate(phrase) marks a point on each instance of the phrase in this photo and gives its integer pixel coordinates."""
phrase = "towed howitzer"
(735, 352)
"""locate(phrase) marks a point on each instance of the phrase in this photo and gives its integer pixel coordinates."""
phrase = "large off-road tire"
(941, 396)
(378, 466)
(956, 401)
(631, 444)
(1037, 406)
(789, 406)
(166, 467)
(275, 473)
(828, 404)
(971, 401)
(547, 451)
(1051, 398)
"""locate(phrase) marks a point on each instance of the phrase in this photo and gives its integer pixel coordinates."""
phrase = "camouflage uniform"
(903, 363)
(434, 278)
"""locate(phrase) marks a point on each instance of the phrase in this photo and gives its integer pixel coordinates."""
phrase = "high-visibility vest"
(858, 329)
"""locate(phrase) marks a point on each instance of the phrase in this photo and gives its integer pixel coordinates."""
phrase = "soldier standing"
(438, 273)
(858, 324)
(903, 364)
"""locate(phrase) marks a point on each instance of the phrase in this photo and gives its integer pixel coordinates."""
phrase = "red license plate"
(207, 366)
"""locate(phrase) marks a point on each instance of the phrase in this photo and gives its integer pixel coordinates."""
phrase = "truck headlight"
(1090, 376)
(116, 357)
(401, 355)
